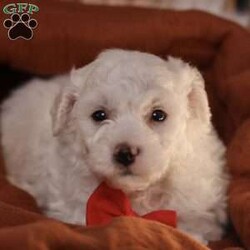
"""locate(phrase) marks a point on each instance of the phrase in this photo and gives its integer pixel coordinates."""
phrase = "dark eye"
(99, 115)
(158, 115)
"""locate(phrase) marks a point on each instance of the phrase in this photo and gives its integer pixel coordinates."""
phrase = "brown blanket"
(71, 34)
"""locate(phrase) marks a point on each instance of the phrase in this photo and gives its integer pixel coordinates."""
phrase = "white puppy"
(130, 118)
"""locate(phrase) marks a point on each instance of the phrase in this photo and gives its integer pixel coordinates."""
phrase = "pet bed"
(70, 34)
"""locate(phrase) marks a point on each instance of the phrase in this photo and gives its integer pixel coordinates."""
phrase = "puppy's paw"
(198, 237)
(215, 233)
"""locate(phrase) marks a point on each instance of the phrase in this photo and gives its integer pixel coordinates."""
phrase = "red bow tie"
(106, 203)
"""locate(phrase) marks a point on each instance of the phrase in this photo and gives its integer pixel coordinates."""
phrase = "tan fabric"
(27, 231)
(72, 34)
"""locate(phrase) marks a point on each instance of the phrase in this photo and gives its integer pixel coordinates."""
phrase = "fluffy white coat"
(55, 150)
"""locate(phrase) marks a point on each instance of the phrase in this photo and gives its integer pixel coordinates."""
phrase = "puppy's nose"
(125, 154)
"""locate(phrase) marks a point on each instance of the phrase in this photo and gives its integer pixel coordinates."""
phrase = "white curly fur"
(56, 152)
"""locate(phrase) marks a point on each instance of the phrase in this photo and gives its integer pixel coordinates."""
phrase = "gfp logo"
(20, 24)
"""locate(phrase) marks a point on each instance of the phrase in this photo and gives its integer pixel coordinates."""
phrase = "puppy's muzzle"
(126, 155)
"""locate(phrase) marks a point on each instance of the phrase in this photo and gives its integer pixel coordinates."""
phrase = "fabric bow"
(106, 203)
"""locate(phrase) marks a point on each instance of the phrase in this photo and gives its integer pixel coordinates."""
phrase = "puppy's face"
(129, 128)
(130, 115)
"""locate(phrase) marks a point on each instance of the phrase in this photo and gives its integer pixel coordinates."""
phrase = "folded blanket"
(70, 35)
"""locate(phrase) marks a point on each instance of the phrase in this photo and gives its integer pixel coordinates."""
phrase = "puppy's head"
(132, 112)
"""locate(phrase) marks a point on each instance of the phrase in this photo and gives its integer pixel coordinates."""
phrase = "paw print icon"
(20, 26)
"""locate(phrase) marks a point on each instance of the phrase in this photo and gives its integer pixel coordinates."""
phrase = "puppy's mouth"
(127, 178)
(126, 172)
(129, 183)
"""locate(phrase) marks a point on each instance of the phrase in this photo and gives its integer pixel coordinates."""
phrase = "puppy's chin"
(129, 183)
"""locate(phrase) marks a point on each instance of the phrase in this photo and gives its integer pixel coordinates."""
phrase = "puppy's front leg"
(202, 229)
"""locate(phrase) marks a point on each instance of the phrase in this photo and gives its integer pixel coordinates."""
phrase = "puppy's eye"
(99, 115)
(158, 115)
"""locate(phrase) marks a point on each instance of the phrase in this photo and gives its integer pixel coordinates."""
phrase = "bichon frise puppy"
(130, 118)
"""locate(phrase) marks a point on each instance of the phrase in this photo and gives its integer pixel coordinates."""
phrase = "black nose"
(125, 155)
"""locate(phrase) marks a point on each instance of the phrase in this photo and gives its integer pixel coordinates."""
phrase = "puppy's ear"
(197, 98)
(62, 108)
(65, 101)
(192, 85)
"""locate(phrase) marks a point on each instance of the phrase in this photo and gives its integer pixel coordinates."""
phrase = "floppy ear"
(62, 108)
(192, 85)
(197, 98)
(65, 101)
